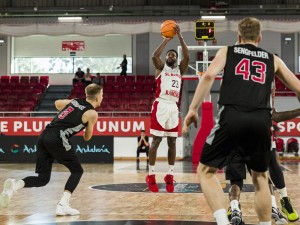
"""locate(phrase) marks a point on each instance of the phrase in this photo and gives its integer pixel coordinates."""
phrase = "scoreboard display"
(204, 30)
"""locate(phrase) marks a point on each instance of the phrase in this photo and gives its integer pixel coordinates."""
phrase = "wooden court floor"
(124, 206)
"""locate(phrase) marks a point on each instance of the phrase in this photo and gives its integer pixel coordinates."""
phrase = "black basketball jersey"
(69, 119)
(248, 77)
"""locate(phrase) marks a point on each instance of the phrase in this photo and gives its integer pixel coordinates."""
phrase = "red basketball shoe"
(169, 183)
(152, 185)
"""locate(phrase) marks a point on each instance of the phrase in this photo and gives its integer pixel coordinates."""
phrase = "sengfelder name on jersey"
(245, 51)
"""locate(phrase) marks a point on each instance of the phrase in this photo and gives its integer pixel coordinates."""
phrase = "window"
(47, 65)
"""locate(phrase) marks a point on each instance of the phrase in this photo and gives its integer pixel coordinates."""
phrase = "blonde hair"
(92, 90)
(249, 29)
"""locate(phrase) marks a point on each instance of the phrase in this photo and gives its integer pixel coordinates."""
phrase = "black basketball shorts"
(50, 147)
(239, 132)
(236, 169)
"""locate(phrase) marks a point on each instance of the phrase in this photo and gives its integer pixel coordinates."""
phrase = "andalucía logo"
(29, 149)
(93, 149)
(14, 148)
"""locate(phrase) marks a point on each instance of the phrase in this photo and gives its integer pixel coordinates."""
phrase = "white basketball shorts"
(164, 119)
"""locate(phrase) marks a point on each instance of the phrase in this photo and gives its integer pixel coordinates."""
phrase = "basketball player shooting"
(164, 115)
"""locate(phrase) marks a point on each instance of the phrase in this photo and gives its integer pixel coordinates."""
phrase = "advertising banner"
(118, 127)
(73, 46)
(289, 128)
(22, 149)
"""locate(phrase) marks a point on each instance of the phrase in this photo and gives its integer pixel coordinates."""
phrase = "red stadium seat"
(3, 97)
(130, 79)
(139, 89)
(5, 79)
(26, 108)
(279, 145)
(34, 79)
(150, 79)
(110, 79)
(292, 145)
(121, 79)
(44, 80)
(15, 79)
(148, 89)
(24, 79)
(127, 89)
(141, 78)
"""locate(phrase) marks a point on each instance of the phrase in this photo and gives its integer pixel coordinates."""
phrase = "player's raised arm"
(158, 63)
(186, 57)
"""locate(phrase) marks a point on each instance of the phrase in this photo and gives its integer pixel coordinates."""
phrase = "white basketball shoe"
(8, 191)
(66, 210)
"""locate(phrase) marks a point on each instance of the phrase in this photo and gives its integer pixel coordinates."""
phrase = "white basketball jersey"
(168, 84)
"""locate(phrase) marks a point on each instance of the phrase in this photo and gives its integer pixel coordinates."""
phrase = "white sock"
(265, 223)
(274, 201)
(234, 204)
(65, 198)
(151, 170)
(171, 169)
(221, 217)
(19, 184)
(283, 192)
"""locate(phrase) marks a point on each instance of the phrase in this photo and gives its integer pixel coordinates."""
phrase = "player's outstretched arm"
(61, 103)
(285, 115)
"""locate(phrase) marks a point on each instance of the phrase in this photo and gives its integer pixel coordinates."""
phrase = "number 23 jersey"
(168, 84)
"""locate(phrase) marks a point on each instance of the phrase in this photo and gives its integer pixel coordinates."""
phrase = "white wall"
(286, 103)
(126, 147)
(47, 46)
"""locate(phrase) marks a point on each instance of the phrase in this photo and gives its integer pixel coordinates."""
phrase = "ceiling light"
(213, 17)
(70, 19)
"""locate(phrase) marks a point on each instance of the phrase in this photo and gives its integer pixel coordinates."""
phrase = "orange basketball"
(167, 28)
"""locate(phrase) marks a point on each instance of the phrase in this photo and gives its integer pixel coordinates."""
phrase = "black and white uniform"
(54, 144)
(244, 120)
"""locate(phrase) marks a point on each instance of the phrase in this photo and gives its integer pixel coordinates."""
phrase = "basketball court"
(116, 194)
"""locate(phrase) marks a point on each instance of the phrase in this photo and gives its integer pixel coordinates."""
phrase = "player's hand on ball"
(167, 38)
(191, 117)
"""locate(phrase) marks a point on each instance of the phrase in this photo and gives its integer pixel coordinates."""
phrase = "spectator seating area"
(21, 93)
(280, 145)
(291, 146)
(123, 94)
